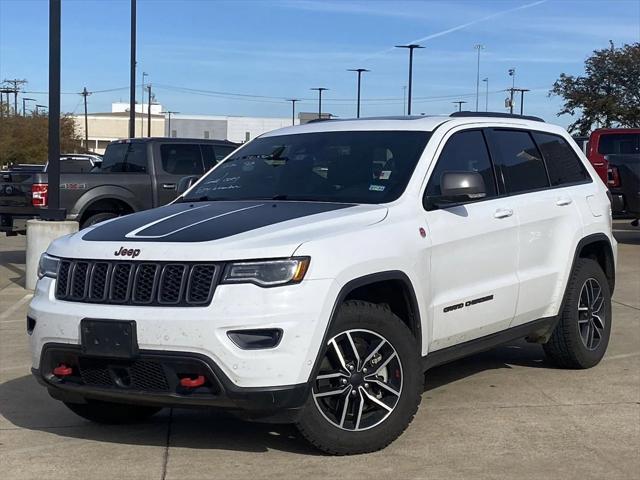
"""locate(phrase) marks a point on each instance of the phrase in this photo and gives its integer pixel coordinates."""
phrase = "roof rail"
(496, 114)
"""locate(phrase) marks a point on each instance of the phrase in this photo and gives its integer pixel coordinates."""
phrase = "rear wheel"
(97, 218)
(112, 413)
(581, 337)
(369, 384)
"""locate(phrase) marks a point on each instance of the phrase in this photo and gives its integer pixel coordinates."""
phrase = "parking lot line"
(11, 310)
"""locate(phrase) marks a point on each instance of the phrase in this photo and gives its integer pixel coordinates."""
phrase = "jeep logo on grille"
(127, 252)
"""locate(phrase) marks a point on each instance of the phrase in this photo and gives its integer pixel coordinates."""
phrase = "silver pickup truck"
(134, 175)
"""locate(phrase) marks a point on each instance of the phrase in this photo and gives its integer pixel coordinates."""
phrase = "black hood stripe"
(202, 222)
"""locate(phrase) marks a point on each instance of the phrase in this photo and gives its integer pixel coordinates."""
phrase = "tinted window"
(181, 159)
(212, 154)
(619, 143)
(125, 157)
(350, 167)
(519, 160)
(464, 152)
(73, 165)
(563, 164)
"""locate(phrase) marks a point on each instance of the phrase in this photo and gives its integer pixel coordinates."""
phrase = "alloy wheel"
(360, 380)
(591, 314)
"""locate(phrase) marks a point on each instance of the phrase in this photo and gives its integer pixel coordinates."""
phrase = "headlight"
(48, 266)
(267, 273)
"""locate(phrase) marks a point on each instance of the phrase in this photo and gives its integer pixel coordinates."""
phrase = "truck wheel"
(369, 384)
(112, 413)
(97, 218)
(581, 337)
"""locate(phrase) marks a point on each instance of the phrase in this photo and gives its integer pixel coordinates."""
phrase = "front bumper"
(153, 378)
(301, 311)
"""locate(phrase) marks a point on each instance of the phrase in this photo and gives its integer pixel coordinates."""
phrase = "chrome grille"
(136, 283)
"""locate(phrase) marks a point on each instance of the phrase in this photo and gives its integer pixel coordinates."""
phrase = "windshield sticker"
(385, 175)
(376, 188)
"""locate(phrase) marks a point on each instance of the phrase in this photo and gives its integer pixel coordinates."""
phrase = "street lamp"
(320, 90)
(478, 47)
(38, 107)
(24, 108)
(459, 103)
(486, 100)
(293, 109)
(411, 48)
(512, 74)
(144, 74)
(359, 70)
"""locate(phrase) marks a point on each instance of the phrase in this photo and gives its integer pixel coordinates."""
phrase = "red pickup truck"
(611, 141)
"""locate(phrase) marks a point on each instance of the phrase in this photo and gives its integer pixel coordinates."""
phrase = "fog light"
(256, 339)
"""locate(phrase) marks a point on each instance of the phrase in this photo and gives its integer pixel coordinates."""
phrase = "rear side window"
(125, 157)
(464, 152)
(619, 143)
(181, 159)
(563, 164)
(212, 154)
(519, 161)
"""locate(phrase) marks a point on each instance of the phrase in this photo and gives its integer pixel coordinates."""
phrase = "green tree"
(608, 95)
(25, 139)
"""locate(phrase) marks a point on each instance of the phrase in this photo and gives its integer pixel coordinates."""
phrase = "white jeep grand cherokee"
(316, 273)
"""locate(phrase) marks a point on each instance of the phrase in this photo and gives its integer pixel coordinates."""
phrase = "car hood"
(205, 231)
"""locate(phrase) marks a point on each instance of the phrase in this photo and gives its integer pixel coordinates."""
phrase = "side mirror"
(185, 184)
(459, 187)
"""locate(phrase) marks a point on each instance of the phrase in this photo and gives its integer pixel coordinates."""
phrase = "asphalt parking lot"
(501, 414)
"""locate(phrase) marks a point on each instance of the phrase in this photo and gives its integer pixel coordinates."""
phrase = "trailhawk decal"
(202, 222)
(468, 303)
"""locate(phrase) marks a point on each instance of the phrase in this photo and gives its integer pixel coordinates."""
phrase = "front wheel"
(369, 384)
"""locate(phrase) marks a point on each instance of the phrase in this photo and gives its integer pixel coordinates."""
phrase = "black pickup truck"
(624, 184)
(134, 175)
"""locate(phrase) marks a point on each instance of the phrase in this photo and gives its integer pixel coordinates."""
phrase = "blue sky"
(279, 49)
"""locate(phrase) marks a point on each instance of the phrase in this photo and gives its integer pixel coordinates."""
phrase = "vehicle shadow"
(629, 236)
(14, 261)
(25, 404)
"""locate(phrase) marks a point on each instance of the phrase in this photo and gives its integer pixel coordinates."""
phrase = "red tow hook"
(62, 370)
(188, 382)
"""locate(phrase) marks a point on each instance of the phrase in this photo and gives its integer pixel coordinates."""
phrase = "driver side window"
(464, 152)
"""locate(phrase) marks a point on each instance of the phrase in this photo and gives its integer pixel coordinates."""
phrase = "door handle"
(561, 202)
(503, 213)
(169, 186)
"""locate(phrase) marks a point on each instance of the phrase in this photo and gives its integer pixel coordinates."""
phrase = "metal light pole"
(478, 47)
(53, 211)
(486, 100)
(359, 70)
(144, 74)
(149, 112)
(293, 109)
(132, 74)
(411, 48)
(404, 100)
(320, 90)
(24, 108)
(38, 107)
(521, 90)
(459, 103)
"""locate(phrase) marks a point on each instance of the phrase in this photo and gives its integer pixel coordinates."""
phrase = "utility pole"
(486, 100)
(478, 47)
(149, 112)
(169, 113)
(16, 83)
(512, 74)
(293, 109)
(132, 74)
(144, 74)
(359, 70)
(24, 106)
(85, 94)
(459, 103)
(521, 90)
(411, 48)
(320, 90)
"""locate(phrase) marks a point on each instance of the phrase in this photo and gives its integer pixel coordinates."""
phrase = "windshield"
(348, 167)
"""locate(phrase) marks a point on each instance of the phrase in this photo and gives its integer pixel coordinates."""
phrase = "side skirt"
(534, 330)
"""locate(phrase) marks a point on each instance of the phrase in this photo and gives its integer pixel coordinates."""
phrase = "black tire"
(97, 218)
(112, 413)
(566, 347)
(359, 317)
